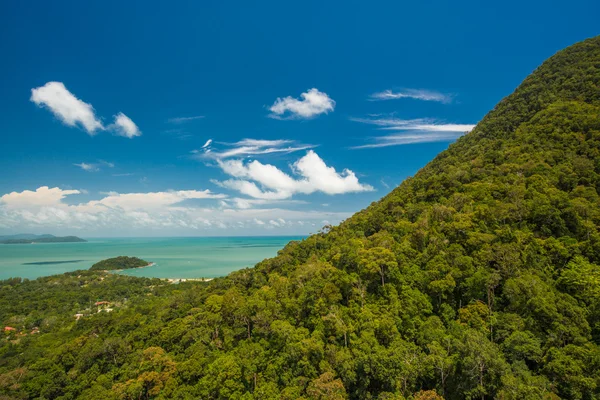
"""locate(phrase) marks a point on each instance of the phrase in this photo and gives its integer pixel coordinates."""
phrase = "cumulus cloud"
(124, 126)
(249, 147)
(66, 107)
(41, 197)
(314, 176)
(313, 103)
(141, 213)
(417, 94)
(75, 112)
(415, 131)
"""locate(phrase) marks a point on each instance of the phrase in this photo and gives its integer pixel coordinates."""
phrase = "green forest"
(120, 262)
(478, 278)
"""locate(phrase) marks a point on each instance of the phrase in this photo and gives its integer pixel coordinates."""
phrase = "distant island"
(26, 238)
(118, 263)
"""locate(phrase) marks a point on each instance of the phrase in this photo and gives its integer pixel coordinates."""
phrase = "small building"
(101, 303)
(77, 316)
(9, 329)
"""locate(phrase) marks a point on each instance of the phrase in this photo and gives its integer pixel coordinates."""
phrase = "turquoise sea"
(197, 257)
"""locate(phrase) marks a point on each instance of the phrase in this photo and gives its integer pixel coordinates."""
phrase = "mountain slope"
(477, 278)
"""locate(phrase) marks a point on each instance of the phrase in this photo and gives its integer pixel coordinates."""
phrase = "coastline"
(170, 280)
(127, 269)
(177, 280)
(177, 257)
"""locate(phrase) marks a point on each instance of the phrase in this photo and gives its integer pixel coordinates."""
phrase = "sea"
(175, 258)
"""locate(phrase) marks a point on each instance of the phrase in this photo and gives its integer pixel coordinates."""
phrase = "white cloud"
(312, 104)
(397, 140)
(73, 112)
(107, 163)
(251, 189)
(315, 176)
(94, 167)
(420, 124)
(417, 131)
(66, 107)
(246, 203)
(87, 167)
(249, 147)
(418, 94)
(124, 126)
(41, 197)
(152, 200)
(153, 213)
(180, 120)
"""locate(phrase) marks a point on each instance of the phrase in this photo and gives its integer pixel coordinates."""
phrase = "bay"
(186, 257)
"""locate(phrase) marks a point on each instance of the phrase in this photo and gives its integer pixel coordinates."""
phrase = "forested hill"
(118, 263)
(479, 278)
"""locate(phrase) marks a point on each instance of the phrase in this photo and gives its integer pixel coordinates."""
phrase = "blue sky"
(313, 109)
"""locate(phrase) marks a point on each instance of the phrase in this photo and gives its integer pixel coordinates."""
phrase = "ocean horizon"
(173, 257)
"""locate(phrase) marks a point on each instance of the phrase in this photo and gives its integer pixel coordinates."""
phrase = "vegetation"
(28, 239)
(476, 279)
(121, 262)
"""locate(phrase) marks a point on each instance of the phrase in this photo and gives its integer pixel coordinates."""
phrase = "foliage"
(120, 262)
(475, 279)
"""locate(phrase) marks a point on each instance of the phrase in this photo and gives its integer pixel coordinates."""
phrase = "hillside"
(478, 278)
(120, 262)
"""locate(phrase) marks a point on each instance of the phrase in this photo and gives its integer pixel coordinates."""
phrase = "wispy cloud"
(178, 133)
(248, 147)
(181, 120)
(416, 131)
(397, 140)
(313, 103)
(107, 163)
(94, 167)
(420, 124)
(75, 112)
(418, 94)
(87, 167)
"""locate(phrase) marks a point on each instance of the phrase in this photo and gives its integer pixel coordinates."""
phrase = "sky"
(147, 118)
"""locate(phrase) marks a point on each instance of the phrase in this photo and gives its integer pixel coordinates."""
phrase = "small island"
(120, 263)
(29, 239)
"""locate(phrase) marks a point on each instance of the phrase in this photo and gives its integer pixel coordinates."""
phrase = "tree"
(377, 260)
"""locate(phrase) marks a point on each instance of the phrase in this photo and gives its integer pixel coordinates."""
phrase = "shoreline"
(170, 280)
(127, 269)
(177, 280)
